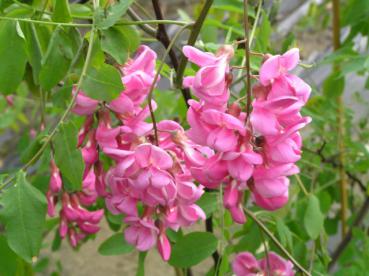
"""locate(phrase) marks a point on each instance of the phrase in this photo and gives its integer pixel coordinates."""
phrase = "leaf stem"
(89, 25)
(301, 185)
(276, 242)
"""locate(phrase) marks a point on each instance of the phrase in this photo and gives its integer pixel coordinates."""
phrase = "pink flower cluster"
(75, 220)
(150, 183)
(245, 264)
(258, 153)
(276, 121)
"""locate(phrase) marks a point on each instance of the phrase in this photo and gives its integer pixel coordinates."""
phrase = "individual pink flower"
(55, 184)
(84, 105)
(277, 265)
(245, 264)
(141, 232)
(210, 82)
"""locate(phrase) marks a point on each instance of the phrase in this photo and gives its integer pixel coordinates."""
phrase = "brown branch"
(332, 161)
(340, 120)
(347, 238)
(162, 36)
(145, 27)
(192, 39)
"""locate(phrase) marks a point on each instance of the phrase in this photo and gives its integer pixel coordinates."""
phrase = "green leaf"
(33, 148)
(68, 158)
(8, 260)
(263, 35)
(208, 202)
(62, 48)
(333, 85)
(23, 213)
(115, 245)
(61, 11)
(193, 248)
(313, 218)
(103, 83)
(107, 18)
(284, 233)
(13, 57)
(119, 42)
(33, 48)
(115, 44)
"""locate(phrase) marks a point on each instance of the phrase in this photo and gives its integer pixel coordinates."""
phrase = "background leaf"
(119, 42)
(12, 56)
(193, 248)
(23, 213)
(61, 11)
(68, 158)
(115, 245)
(103, 83)
(107, 18)
(62, 48)
(208, 202)
(313, 218)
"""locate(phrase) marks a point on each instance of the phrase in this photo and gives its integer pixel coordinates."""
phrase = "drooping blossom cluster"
(258, 153)
(150, 182)
(76, 221)
(245, 264)
(276, 121)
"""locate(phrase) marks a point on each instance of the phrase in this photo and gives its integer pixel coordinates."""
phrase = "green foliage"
(62, 48)
(12, 55)
(103, 83)
(208, 202)
(68, 158)
(107, 18)
(313, 219)
(23, 214)
(115, 245)
(61, 11)
(193, 248)
(119, 42)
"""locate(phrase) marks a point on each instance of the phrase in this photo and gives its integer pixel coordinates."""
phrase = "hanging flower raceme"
(150, 184)
(151, 181)
(245, 264)
(76, 221)
(276, 121)
(258, 155)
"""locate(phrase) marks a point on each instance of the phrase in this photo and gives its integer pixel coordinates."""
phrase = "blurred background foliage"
(38, 64)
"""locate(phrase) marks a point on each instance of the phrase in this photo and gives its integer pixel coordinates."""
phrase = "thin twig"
(145, 27)
(191, 40)
(149, 98)
(163, 37)
(88, 25)
(301, 185)
(334, 164)
(253, 31)
(276, 242)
